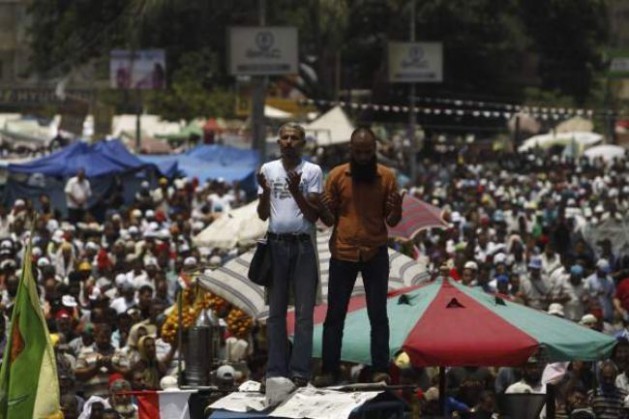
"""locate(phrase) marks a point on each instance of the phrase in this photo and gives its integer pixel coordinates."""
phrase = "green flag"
(29, 387)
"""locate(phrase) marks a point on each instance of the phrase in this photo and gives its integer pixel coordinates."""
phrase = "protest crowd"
(523, 227)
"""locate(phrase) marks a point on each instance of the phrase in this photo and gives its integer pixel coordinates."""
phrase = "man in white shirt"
(284, 187)
(77, 191)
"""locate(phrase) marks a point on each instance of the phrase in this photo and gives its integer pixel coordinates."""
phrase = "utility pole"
(258, 130)
(412, 117)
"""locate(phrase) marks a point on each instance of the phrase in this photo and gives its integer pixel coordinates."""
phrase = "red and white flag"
(163, 404)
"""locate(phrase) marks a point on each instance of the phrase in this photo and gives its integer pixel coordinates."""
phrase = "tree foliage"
(487, 44)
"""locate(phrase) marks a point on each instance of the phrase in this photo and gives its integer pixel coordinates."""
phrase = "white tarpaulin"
(607, 152)
(231, 283)
(580, 139)
(333, 127)
(237, 227)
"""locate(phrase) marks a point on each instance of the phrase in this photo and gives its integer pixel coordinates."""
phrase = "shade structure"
(607, 152)
(444, 323)
(417, 215)
(579, 139)
(237, 227)
(230, 280)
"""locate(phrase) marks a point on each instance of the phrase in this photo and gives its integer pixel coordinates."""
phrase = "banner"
(141, 69)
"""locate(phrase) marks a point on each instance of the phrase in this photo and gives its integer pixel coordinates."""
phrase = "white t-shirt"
(79, 190)
(286, 217)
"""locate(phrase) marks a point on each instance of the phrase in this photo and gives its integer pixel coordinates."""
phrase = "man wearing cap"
(470, 270)
(126, 290)
(601, 289)
(162, 195)
(77, 191)
(536, 289)
(363, 200)
(571, 292)
(284, 186)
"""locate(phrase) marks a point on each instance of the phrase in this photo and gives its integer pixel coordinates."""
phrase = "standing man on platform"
(78, 191)
(362, 198)
(285, 185)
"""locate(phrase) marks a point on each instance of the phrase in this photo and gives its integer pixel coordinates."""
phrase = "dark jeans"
(343, 274)
(294, 267)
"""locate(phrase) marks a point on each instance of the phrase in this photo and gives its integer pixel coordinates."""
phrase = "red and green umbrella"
(417, 215)
(444, 323)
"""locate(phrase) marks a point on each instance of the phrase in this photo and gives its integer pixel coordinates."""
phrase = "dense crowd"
(525, 227)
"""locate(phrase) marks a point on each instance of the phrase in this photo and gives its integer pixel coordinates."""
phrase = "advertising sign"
(141, 69)
(262, 51)
(415, 62)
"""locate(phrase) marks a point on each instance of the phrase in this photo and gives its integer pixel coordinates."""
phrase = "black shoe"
(299, 381)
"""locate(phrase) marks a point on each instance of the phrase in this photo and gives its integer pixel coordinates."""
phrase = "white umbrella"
(580, 139)
(231, 283)
(607, 152)
(237, 227)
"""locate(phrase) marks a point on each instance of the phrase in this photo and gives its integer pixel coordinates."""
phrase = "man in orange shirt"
(362, 198)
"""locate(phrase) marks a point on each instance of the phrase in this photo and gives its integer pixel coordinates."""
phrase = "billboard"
(415, 62)
(139, 69)
(262, 51)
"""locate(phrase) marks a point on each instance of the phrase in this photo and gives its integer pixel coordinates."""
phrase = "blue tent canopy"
(108, 165)
(102, 158)
(211, 162)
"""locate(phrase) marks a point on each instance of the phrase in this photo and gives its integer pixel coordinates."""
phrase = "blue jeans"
(343, 274)
(294, 268)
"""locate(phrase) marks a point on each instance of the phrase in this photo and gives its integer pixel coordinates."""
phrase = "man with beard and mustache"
(362, 198)
(286, 185)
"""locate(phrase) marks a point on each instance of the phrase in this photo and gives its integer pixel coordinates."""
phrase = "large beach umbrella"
(444, 323)
(231, 283)
(417, 215)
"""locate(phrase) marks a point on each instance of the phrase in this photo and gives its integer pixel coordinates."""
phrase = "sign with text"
(618, 64)
(262, 51)
(415, 62)
(140, 69)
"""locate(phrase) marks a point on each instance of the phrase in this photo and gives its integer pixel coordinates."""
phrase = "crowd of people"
(524, 226)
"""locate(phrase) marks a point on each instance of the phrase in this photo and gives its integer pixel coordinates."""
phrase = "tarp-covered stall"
(107, 164)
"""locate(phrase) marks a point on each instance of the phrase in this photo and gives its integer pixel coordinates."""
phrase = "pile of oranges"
(238, 323)
(194, 300)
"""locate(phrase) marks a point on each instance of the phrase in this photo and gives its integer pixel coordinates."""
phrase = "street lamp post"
(412, 116)
(258, 130)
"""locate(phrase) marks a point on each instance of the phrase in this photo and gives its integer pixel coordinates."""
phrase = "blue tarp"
(211, 162)
(102, 158)
(108, 166)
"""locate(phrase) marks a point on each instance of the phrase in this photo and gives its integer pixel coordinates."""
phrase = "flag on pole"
(29, 387)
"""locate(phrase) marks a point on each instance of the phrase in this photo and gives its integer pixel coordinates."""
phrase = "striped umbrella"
(444, 323)
(231, 283)
(417, 215)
